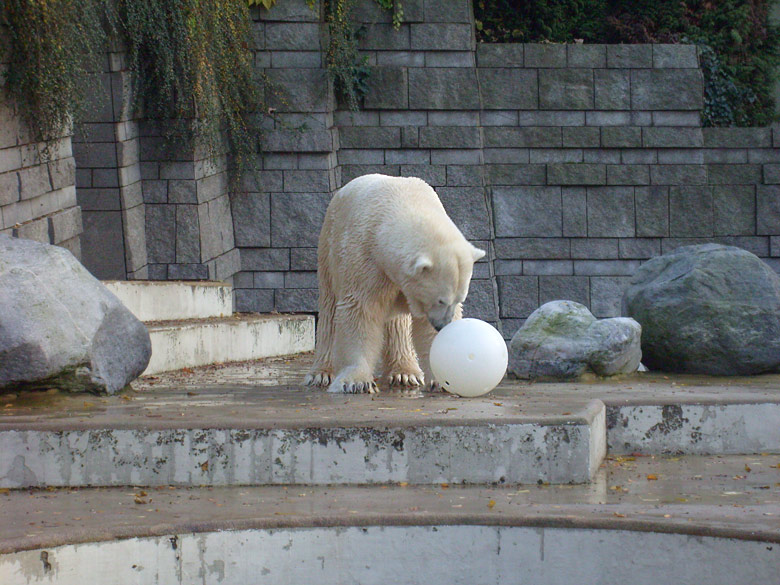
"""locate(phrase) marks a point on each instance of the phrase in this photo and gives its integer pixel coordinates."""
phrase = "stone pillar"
(109, 177)
(189, 228)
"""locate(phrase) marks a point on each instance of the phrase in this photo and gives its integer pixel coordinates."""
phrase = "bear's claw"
(320, 379)
(359, 388)
(434, 386)
(404, 380)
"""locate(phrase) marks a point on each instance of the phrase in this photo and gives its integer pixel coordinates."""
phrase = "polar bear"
(393, 269)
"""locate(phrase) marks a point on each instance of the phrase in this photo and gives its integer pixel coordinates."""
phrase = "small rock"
(707, 309)
(562, 340)
(60, 327)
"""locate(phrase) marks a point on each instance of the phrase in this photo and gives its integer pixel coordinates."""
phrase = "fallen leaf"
(667, 515)
(619, 515)
(499, 403)
(5, 491)
(652, 477)
(204, 466)
(445, 486)
(491, 503)
(565, 413)
(404, 483)
(747, 468)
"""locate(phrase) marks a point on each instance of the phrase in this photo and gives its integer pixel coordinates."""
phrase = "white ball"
(468, 357)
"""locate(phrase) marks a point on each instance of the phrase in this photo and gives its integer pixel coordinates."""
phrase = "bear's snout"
(440, 319)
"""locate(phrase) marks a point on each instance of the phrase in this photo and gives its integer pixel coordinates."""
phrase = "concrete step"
(173, 300)
(701, 520)
(280, 433)
(240, 337)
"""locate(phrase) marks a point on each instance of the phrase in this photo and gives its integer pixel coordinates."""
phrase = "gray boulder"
(562, 340)
(707, 309)
(60, 327)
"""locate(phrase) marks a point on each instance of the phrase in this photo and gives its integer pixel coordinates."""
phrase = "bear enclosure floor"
(269, 393)
(686, 454)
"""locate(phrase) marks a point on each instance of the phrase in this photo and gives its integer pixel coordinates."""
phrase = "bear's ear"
(476, 253)
(420, 264)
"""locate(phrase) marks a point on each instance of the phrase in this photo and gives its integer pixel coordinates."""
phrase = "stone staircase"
(235, 473)
(191, 324)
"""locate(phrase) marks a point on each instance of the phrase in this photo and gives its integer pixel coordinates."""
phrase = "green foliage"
(194, 70)
(54, 47)
(347, 67)
(739, 49)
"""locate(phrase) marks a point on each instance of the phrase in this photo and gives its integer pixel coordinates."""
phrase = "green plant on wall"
(740, 50)
(192, 61)
(194, 70)
(53, 49)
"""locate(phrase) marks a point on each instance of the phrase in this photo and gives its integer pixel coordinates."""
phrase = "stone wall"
(37, 193)
(570, 164)
(108, 177)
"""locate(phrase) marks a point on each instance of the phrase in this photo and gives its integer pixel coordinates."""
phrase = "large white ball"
(468, 357)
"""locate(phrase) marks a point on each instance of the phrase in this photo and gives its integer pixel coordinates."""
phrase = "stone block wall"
(37, 193)
(570, 164)
(189, 228)
(277, 222)
(151, 209)
(106, 146)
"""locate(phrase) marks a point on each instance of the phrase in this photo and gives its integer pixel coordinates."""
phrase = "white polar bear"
(393, 269)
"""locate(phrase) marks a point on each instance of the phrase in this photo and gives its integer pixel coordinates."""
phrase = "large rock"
(707, 309)
(60, 327)
(562, 340)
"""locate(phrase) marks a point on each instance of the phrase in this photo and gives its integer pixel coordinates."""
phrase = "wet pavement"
(269, 394)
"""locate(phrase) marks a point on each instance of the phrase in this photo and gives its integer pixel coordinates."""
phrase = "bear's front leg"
(356, 346)
(400, 362)
(423, 334)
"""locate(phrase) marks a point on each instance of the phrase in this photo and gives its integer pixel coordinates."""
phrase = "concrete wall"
(37, 193)
(570, 164)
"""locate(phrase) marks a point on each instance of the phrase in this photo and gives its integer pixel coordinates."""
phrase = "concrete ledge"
(475, 449)
(187, 344)
(696, 429)
(159, 301)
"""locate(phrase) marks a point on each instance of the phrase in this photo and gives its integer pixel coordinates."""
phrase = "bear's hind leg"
(357, 345)
(400, 366)
(321, 371)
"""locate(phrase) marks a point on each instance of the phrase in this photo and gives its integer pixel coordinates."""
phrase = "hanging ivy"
(193, 68)
(53, 49)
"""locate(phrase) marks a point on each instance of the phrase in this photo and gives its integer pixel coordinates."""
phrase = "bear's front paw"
(354, 380)
(346, 387)
(405, 380)
(318, 379)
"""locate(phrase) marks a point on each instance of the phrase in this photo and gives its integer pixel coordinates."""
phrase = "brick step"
(173, 300)
(696, 522)
(240, 337)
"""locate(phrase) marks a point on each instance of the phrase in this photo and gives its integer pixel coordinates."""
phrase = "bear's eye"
(442, 302)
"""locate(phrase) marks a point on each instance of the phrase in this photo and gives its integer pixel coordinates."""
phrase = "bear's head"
(437, 281)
